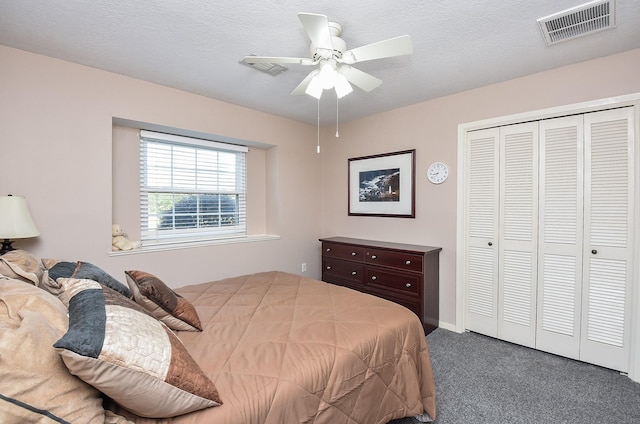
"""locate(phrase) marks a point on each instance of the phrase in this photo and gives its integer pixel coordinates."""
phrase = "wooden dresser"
(403, 273)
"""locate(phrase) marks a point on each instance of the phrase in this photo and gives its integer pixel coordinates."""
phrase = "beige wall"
(56, 150)
(432, 129)
(56, 140)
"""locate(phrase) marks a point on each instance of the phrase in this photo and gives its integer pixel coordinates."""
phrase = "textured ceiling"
(197, 45)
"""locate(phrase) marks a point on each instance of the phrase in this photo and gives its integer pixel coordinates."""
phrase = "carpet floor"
(484, 380)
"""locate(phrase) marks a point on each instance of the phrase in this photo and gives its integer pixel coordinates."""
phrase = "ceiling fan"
(329, 51)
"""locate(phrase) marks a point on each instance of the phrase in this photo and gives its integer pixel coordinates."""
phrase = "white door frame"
(577, 108)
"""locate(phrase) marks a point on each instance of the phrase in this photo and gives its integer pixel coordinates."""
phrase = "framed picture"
(383, 185)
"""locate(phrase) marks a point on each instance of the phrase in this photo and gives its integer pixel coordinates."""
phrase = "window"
(190, 189)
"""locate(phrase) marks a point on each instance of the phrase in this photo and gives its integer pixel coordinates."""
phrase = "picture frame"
(383, 185)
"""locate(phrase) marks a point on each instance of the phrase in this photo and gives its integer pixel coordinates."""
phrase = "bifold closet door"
(560, 243)
(608, 238)
(481, 232)
(518, 233)
(502, 232)
(585, 256)
(549, 215)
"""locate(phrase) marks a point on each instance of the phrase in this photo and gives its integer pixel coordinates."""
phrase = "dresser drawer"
(394, 259)
(342, 271)
(344, 251)
(382, 279)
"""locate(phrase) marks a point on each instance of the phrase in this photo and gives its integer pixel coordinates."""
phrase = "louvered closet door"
(609, 176)
(518, 233)
(481, 233)
(560, 244)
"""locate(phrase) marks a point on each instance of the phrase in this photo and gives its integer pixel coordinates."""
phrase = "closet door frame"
(578, 108)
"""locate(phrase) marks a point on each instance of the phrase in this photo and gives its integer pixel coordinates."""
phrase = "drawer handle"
(408, 285)
(328, 249)
(374, 278)
(407, 262)
(373, 256)
(353, 253)
(353, 273)
(328, 268)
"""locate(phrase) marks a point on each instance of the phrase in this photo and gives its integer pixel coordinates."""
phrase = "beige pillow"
(119, 348)
(163, 303)
(22, 265)
(35, 385)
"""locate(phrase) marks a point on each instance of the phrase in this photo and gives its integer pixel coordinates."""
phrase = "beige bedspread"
(286, 349)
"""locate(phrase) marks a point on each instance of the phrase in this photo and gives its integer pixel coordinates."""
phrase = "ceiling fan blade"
(268, 59)
(300, 89)
(317, 28)
(358, 78)
(391, 47)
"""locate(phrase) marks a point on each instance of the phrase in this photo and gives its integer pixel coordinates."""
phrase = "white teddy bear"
(119, 240)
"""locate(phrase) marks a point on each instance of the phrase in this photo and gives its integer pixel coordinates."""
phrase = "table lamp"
(15, 221)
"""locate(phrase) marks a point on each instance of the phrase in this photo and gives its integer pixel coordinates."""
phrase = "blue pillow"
(86, 271)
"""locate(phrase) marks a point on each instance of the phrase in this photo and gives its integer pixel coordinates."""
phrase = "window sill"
(193, 244)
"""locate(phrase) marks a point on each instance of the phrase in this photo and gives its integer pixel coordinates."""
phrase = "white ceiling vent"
(578, 21)
(272, 69)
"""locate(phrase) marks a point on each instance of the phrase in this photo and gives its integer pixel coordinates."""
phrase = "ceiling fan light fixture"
(314, 89)
(328, 74)
(342, 86)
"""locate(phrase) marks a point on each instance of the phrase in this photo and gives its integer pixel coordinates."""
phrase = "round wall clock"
(438, 172)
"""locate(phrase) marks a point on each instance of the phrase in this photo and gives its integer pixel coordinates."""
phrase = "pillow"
(117, 347)
(81, 270)
(35, 384)
(21, 265)
(162, 302)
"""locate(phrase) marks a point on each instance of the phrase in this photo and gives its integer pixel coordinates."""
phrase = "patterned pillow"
(80, 270)
(117, 347)
(162, 302)
(35, 385)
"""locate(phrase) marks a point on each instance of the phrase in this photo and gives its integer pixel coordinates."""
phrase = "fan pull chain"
(337, 115)
(318, 146)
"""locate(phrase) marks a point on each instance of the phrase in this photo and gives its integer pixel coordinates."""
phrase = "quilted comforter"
(287, 349)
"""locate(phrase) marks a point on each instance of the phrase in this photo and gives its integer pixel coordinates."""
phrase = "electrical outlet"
(304, 267)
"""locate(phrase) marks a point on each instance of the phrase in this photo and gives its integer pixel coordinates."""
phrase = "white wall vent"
(578, 21)
(272, 69)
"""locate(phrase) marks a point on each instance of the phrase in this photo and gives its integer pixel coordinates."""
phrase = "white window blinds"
(190, 189)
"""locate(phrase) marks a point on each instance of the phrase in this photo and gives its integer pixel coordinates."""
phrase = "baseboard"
(447, 326)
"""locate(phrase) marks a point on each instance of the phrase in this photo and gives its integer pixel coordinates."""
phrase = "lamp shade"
(15, 219)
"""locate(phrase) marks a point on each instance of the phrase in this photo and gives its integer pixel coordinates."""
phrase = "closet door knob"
(490, 244)
(594, 251)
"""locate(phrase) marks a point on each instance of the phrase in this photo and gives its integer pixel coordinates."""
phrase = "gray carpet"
(483, 380)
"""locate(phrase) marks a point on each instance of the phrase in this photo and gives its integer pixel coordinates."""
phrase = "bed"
(280, 348)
